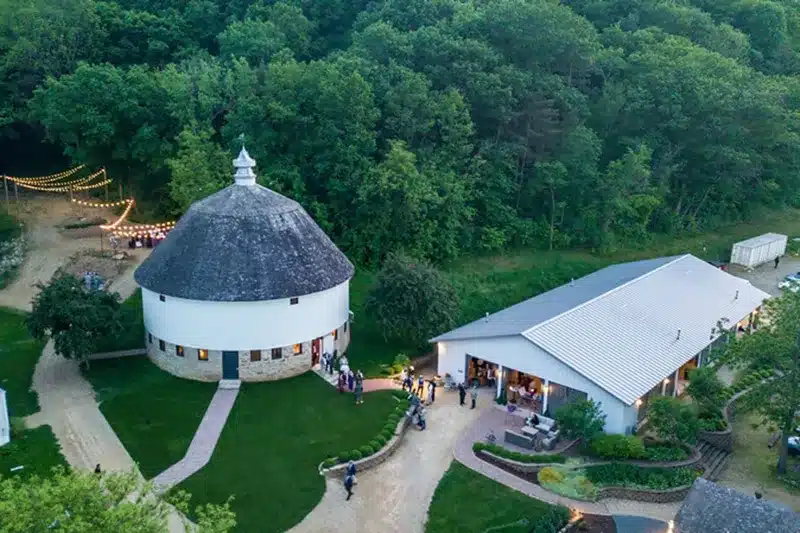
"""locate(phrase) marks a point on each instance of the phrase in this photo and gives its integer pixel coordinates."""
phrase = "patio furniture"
(548, 442)
(545, 424)
(518, 439)
(529, 431)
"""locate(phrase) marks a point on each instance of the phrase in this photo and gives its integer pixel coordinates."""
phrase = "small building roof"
(761, 240)
(244, 243)
(619, 327)
(712, 508)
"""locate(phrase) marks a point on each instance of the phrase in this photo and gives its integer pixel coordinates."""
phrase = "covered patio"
(499, 420)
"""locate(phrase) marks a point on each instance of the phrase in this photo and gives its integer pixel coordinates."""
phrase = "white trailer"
(5, 423)
(758, 250)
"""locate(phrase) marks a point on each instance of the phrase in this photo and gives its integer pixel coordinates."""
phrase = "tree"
(74, 317)
(775, 345)
(411, 300)
(706, 389)
(673, 420)
(199, 169)
(71, 500)
(581, 419)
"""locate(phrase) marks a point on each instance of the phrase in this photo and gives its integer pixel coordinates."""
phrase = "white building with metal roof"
(619, 336)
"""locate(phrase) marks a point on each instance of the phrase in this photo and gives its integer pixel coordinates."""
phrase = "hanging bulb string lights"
(100, 204)
(65, 187)
(122, 217)
(46, 179)
(146, 227)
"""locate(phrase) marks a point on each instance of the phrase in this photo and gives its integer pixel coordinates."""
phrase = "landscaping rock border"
(376, 458)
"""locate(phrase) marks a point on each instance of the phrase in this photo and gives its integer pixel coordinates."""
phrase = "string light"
(100, 204)
(161, 225)
(122, 217)
(47, 179)
(66, 187)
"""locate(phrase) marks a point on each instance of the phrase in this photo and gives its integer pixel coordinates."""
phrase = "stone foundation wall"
(189, 366)
(376, 458)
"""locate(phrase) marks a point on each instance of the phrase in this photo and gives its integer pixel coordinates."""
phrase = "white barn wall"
(518, 353)
(245, 325)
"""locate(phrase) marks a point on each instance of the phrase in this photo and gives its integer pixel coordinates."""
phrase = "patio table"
(529, 431)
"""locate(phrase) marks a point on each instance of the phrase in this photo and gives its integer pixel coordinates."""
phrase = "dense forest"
(438, 127)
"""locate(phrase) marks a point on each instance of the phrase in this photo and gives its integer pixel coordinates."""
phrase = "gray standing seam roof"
(712, 508)
(244, 243)
(525, 315)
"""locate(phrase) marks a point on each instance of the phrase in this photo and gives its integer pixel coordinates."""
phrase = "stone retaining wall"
(376, 458)
(643, 495)
(723, 439)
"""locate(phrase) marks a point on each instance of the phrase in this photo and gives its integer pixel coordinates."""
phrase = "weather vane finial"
(241, 139)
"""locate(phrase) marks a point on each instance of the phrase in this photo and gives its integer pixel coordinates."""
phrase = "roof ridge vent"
(244, 165)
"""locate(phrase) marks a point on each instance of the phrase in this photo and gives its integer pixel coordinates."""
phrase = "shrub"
(617, 447)
(518, 456)
(626, 475)
(402, 395)
(550, 475)
(329, 462)
(396, 369)
(17, 424)
(389, 428)
(344, 456)
(367, 450)
(580, 419)
(706, 389)
(355, 455)
(673, 420)
(662, 452)
(401, 360)
(381, 440)
(375, 445)
(552, 521)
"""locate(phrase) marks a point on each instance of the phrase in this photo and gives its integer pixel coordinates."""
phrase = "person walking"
(777, 261)
(359, 391)
(433, 391)
(462, 393)
(403, 376)
(349, 481)
(342, 382)
(351, 378)
(421, 387)
(474, 396)
(351, 469)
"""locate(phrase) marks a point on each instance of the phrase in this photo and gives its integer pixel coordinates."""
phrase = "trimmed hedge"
(384, 436)
(518, 456)
(355, 455)
(625, 475)
(617, 447)
(366, 450)
(664, 452)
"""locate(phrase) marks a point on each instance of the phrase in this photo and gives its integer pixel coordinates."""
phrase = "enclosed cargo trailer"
(758, 250)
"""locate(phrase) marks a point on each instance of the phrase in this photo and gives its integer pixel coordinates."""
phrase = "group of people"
(418, 386)
(352, 381)
(462, 394)
(147, 240)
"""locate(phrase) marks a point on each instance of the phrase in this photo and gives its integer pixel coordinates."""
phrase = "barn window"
(277, 353)
(345, 327)
(162, 297)
(336, 334)
(255, 355)
(297, 349)
(293, 301)
(179, 350)
(150, 338)
(162, 346)
(202, 355)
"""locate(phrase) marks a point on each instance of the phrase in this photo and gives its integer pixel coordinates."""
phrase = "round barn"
(246, 286)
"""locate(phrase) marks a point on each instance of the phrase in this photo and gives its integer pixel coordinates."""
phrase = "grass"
(752, 464)
(36, 449)
(468, 502)
(19, 353)
(154, 413)
(133, 321)
(491, 283)
(275, 438)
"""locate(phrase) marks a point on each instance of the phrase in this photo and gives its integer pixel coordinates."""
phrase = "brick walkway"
(203, 443)
(370, 385)
(477, 432)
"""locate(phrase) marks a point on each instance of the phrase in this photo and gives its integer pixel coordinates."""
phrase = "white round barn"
(246, 286)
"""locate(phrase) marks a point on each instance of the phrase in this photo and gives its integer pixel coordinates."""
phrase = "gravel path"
(203, 443)
(394, 497)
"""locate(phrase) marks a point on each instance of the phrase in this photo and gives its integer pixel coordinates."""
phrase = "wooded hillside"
(434, 126)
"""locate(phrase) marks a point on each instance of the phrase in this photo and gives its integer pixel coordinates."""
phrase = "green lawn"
(491, 283)
(35, 449)
(154, 413)
(468, 502)
(276, 436)
(133, 322)
(19, 353)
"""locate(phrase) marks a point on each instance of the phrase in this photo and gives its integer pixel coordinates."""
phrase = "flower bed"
(12, 255)
(519, 457)
(622, 447)
(395, 423)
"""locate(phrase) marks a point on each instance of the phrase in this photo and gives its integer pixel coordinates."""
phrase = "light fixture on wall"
(638, 402)
(545, 388)
(666, 381)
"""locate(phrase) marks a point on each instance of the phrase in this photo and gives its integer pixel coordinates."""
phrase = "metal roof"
(712, 508)
(524, 315)
(627, 340)
(761, 240)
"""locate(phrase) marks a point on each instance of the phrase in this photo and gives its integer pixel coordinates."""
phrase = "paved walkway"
(203, 443)
(477, 432)
(370, 385)
(394, 497)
